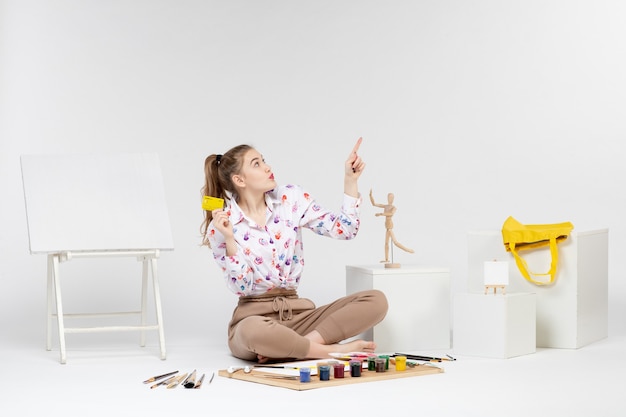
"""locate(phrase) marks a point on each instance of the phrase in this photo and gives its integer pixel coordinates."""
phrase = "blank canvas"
(93, 202)
(496, 273)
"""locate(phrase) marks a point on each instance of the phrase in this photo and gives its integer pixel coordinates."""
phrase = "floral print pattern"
(271, 255)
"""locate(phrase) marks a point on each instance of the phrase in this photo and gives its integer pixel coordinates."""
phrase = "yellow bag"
(517, 237)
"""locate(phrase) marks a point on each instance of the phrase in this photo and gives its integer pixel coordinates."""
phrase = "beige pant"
(274, 324)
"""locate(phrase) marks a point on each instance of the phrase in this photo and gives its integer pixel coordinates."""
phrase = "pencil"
(199, 383)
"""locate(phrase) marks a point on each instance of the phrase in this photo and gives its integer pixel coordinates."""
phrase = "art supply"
(187, 380)
(352, 355)
(97, 184)
(425, 358)
(233, 369)
(200, 381)
(190, 381)
(211, 203)
(176, 381)
(324, 372)
(386, 358)
(319, 365)
(371, 363)
(291, 380)
(156, 378)
(164, 382)
(380, 364)
(400, 363)
(339, 370)
(355, 368)
(276, 366)
(281, 376)
(305, 374)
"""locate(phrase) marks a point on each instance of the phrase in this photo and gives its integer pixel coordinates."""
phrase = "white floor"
(102, 377)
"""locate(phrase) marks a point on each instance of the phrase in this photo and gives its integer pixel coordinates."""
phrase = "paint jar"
(386, 358)
(305, 374)
(319, 365)
(355, 368)
(371, 363)
(324, 372)
(338, 370)
(400, 363)
(380, 364)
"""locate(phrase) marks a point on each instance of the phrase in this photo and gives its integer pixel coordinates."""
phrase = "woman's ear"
(238, 180)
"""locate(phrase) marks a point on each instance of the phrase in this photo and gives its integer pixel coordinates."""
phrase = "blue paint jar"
(305, 374)
(324, 372)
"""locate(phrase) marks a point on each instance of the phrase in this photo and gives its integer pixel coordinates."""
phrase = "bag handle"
(523, 266)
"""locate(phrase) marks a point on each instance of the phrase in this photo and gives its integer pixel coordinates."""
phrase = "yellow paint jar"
(400, 363)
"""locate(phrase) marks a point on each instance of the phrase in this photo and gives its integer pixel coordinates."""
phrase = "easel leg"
(157, 303)
(495, 289)
(59, 305)
(144, 298)
(49, 303)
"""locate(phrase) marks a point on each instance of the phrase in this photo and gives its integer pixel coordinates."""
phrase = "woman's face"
(255, 173)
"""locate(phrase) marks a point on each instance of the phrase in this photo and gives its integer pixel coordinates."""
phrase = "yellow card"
(211, 203)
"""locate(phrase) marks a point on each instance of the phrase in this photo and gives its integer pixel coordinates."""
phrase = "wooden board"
(278, 380)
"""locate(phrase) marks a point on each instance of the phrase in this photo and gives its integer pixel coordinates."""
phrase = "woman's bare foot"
(318, 349)
(356, 346)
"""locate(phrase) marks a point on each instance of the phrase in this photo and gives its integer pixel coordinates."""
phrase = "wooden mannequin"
(388, 211)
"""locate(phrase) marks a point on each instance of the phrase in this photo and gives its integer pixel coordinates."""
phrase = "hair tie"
(218, 158)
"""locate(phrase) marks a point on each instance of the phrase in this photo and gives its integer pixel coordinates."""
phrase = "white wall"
(470, 112)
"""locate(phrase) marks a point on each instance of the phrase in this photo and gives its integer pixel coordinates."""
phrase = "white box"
(419, 306)
(494, 326)
(572, 312)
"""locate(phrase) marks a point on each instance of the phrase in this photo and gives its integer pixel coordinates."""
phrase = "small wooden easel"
(496, 275)
(495, 289)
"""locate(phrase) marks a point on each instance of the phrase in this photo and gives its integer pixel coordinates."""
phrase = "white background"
(470, 111)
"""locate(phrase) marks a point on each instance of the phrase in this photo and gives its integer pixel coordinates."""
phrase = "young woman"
(256, 239)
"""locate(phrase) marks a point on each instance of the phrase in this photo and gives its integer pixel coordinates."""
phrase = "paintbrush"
(425, 358)
(156, 378)
(164, 382)
(276, 366)
(190, 381)
(280, 376)
(176, 381)
(199, 383)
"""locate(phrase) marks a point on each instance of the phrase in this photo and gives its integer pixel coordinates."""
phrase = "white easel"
(97, 206)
